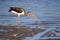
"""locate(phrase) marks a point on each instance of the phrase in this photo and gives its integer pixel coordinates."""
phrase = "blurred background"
(45, 10)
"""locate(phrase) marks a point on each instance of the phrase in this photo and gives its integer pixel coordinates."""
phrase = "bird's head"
(32, 14)
(29, 13)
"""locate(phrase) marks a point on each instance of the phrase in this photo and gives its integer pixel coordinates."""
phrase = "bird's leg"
(19, 20)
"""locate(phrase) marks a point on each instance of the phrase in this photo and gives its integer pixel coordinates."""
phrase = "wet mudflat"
(17, 32)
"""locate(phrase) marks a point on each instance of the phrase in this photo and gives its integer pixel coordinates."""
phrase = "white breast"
(17, 12)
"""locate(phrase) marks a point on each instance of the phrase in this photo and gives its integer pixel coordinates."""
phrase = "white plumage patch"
(18, 13)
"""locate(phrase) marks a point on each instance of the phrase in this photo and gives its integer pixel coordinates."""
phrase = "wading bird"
(19, 11)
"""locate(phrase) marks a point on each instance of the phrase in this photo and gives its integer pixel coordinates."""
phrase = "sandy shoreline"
(17, 32)
(13, 32)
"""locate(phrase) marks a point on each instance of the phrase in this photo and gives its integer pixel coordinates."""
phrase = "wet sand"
(17, 32)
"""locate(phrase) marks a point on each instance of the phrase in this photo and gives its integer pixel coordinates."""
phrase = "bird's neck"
(25, 14)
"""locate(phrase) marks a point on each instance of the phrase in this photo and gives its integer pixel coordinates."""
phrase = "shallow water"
(12, 20)
(45, 14)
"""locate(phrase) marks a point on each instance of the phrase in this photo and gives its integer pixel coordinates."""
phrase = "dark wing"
(19, 10)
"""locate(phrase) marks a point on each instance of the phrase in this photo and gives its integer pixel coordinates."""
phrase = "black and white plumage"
(19, 11)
